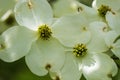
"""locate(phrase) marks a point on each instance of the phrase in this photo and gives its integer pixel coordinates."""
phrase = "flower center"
(44, 32)
(103, 10)
(79, 50)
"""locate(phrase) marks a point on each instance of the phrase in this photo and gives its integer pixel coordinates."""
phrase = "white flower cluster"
(67, 40)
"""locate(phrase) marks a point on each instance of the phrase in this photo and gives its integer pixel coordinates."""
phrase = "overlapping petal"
(97, 43)
(68, 7)
(113, 43)
(32, 13)
(45, 56)
(114, 21)
(71, 30)
(102, 68)
(114, 5)
(69, 71)
(89, 12)
(17, 42)
(116, 49)
(110, 38)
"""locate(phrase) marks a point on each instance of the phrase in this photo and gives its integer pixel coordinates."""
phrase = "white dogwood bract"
(102, 67)
(98, 30)
(33, 13)
(45, 54)
(74, 29)
(70, 70)
(17, 41)
(114, 21)
(65, 7)
(112, 43)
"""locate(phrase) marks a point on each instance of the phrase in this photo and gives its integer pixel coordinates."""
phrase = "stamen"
(30, 5)
(79, 50)
(103, 10)
(44, 32)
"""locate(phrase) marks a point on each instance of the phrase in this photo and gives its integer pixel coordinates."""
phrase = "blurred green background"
(18, 71)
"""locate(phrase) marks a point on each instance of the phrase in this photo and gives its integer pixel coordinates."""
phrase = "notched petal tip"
(56, 78)
(30, 4)
(48, 67)
(2, 46)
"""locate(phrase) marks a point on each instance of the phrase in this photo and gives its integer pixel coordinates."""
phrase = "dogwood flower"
(33, 38)
(93, 66)
(104, 6)
(37, 16)
(85, 46)
(46, 50)
(110, 11)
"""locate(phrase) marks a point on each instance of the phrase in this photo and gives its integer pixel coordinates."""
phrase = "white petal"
(87, 60)
(99, 27)
(45, 54)
(70, 70)
(90, 13)
(110, 38)
(116, 48)
(113, 4)
(32, 13)
(102, 68)
(97, 43)
(17, 41)
(68, 7)
(69, 30)
(114, 21)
